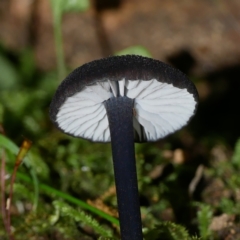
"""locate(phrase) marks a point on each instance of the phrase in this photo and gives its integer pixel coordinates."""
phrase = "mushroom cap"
(164, 98)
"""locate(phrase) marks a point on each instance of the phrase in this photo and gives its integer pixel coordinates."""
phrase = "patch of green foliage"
(169, 231)
(204, 218)
(64, 210)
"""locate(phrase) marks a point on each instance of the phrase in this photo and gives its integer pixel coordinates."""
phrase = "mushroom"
(123, 99)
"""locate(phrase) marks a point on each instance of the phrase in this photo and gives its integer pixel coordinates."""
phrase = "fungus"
(124, 99)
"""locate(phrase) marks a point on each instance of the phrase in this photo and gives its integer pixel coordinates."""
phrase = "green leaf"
(57, 6)
(75, 5)
(61, 6)
(1, 112)
(236, 154)
(135, 50)
(204, 217)
(168, 231)
(52, 192)
(80, 216)
(14, 149)
(27, 64)
(9, 77)
(21, 191)
(39, 166)
(228, 206)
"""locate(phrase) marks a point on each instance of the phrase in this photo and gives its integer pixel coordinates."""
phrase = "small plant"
(169, 231)
(64, 210)
(59, 7)
(204, 218)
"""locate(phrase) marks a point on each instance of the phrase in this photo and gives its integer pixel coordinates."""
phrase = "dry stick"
(102, 35)
(2, 179)
(21, 154)
(196, 179)
(193, 184)
(101, 32)
(3, 209)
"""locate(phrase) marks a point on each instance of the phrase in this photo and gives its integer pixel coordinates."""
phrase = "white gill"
(159, 109)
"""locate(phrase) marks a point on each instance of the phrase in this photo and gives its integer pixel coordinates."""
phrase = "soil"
(200, 36)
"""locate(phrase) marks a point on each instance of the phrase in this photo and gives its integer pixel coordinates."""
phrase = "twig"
(21, 154)
(193, 184)
(2, 186)
(3, 208)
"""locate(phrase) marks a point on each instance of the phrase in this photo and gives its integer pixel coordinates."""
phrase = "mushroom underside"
(159, 109)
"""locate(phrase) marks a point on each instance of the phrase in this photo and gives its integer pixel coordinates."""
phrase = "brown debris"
(222, 221)
(215, 191)
(99, 202)
(179, 156)
(167, 215)
(157, 171)
(224, 227)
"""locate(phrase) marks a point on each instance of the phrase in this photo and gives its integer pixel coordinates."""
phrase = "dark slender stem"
(120, 116)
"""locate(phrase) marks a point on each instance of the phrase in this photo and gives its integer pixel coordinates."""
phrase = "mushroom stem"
(120, 117)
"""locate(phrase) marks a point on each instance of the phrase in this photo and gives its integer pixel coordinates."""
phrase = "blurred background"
(182, 177)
